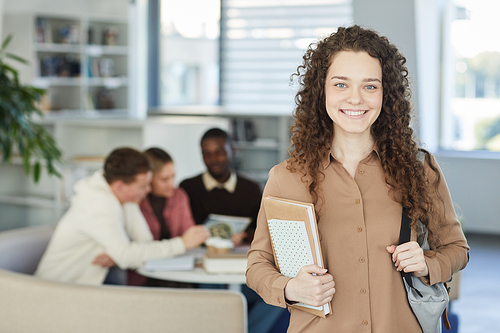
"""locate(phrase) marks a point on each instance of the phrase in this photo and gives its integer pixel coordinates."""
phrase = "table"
(197, 275)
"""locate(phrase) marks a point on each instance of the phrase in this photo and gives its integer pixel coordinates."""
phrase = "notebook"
(295, 241)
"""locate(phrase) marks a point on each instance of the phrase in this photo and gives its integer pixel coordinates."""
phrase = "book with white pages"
(295, 241)
(226, 263)
(180, 263)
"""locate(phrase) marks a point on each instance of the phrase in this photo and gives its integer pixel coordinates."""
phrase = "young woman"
(166, 208)
(354, 156)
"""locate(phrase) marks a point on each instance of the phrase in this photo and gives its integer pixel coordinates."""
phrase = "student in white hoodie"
(104, 225)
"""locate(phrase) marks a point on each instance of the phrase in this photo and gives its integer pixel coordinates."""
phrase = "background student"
(166, 210)
(220, 189)
(104, 225)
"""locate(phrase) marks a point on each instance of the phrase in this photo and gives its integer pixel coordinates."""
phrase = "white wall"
(474, 184)
(1, 16)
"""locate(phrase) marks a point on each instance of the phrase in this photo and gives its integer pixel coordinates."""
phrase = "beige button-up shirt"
(359, 219)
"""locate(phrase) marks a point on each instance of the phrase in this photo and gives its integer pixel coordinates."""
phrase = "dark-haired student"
(166, 210)
(221, 190)
(104, 225)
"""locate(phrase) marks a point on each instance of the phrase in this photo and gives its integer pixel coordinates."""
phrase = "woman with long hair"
(167, 212)
(354, 156)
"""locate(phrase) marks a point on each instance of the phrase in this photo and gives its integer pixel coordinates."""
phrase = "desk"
(197, 275)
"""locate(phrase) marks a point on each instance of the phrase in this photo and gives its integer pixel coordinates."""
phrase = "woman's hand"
(195, 236)
(104, 261)
(409, 257)
(309, 289)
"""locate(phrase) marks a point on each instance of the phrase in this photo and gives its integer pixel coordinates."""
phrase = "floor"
(478, 305)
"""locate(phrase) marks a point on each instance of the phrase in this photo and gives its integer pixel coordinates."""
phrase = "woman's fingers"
(409, 257)
(312, 285)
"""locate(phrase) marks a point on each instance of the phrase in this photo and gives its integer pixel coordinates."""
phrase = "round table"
(197, 275)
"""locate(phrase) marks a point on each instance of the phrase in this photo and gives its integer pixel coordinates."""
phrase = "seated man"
(220, 190)
(104, 225)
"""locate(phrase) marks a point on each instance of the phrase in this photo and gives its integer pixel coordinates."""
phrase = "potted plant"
(18, 131)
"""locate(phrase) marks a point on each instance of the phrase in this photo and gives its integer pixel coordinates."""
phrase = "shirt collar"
(329, 157)
(211, 183)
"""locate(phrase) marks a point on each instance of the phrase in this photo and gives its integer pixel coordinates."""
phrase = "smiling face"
(353, 90)
(217, 156)
(163, 183)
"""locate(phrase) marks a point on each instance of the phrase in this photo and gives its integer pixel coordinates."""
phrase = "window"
(237, 53)
(262, 43)
(189, 52)
(471, 120)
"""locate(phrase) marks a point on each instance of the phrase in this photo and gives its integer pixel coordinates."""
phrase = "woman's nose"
(355, 97)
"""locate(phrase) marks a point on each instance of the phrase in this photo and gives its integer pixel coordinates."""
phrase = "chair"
(30, 304)
(21, 249)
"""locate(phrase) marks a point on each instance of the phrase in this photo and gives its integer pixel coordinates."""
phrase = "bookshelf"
(260, 142)
(82, 61)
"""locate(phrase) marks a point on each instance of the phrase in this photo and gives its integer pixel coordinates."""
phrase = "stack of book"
(234, 262)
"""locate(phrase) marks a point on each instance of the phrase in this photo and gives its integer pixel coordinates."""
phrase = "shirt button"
(365, 322)
(363, 291)
(279, 301)
(357, 201)
(361, 259)
(361, 172)
(360, 229)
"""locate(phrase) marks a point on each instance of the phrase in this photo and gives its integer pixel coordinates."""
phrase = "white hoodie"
(97, 223)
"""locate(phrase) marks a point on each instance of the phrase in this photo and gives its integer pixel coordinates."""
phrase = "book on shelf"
(243, 130)
(295, 241)
(226, 263)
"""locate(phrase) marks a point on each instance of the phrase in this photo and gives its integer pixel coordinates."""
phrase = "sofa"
(30, 304)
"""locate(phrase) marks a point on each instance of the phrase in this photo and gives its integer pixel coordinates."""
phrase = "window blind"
(262, 43)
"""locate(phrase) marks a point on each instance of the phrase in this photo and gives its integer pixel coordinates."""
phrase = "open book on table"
(295, 241)
(224, 226)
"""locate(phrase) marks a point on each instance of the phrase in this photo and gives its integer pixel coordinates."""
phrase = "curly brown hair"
(312, 131)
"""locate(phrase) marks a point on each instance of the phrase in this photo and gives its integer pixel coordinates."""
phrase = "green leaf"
(6, 149)
(26, 164)
(36, 172)
(18, 104)
(13, 56)
(6, 41)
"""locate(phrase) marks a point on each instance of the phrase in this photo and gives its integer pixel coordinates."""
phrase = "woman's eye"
(340, 85)
(371, 87)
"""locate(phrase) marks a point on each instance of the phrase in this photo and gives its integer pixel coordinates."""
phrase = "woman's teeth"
(354, 113)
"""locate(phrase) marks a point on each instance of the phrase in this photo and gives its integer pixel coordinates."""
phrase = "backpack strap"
(404, 237)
